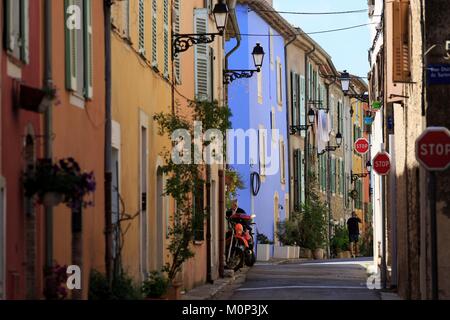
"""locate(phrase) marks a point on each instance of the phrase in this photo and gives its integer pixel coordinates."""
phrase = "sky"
(349, 48)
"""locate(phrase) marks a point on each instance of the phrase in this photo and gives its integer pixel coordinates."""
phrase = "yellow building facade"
(141, 59)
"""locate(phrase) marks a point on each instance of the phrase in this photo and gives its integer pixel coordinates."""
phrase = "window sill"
(77, 100)
(198, 242)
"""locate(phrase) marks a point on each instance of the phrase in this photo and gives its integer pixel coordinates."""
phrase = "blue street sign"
(438, 74)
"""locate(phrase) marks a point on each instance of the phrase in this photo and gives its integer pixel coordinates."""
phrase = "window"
(17, 29)
(282, 162)
(141, 26)
(333, 175)
(294, 99)
(302, 104)
(79, 47)
(273, 122)
(166, 39)
(297, 179)
(279, 82)
(155, 33)
(144, 201)
(199, 213)
(262, 133)
(176, 29)
(401, 42)
(260, 86)
(202, 58)
(272, 49)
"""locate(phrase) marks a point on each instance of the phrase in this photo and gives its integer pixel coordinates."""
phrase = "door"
(2, 241)
(144, 209)
(115, 208)
(160, 213)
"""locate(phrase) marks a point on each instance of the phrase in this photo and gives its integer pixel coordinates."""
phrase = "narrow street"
(325, 280)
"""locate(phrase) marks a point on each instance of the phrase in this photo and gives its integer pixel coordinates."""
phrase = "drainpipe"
(232, 7)
(294, 37)
(306, 142)
(48, 130)
(108, 142)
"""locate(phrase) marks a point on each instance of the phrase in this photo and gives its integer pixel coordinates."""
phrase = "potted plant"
(289, 235)
(55, 282)
(155, 286)
(340, 243)
(264, 247)
(313, 222)
(63, 181)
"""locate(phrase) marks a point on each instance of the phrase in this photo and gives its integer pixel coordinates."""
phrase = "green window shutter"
(201, 54)
(302, 104)
(166, 39)
(70, 47)
(296, 178)
(176, 29)
(24, 34)
(154, 33)
(302, 178)
(294, 120)
(333, 175)
(88, 48)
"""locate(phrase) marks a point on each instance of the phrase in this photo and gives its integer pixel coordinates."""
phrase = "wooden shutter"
(71, 48)
(282, 163)
(154, 33)
(302, 178)
(202, 65)
(294, 98)
(141, 26)
(88, 47)
(176, 29)
(166, 39)
(302, 104)
(24, 33)
(296, 180)
(401, 54)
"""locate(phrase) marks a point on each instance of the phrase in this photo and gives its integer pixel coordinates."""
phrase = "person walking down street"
(353, 233)
(235, 209)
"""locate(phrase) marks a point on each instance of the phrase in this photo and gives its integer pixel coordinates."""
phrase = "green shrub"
(155, 285)
(366, 246)
(263, 239)
(123, 287)
(289, 232)
(340, 241)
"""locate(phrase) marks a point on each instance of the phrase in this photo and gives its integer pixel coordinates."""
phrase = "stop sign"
(362, 146)
(382, 163)
(433, 148)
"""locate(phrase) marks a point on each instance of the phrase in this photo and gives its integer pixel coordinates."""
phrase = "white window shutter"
(303, 119)
(88, 48)
(154, 33)
(202, 64)
(141, 25)
(166, 39)
(176, 28)
(25, 33)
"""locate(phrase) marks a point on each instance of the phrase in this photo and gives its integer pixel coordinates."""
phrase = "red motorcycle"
(240, 241)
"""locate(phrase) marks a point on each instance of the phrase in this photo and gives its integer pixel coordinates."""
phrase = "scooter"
(240, 242)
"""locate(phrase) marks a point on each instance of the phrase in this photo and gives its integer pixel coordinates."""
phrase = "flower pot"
(174, 291)
(306, 253)
(318, 254)
(52, 199)
(281, 252)
(263, 252)
(294, 252)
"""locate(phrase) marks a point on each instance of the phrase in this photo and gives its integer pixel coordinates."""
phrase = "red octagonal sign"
(362, 146)
(433, 148)
(382, 163)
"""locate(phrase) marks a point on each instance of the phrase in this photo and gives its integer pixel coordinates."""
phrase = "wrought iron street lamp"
(258, 59)
(182, 42)
(357, 176)
(345, 83)
(334, 148)
(304, 127)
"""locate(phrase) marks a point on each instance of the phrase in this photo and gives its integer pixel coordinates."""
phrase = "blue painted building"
(259, 103)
